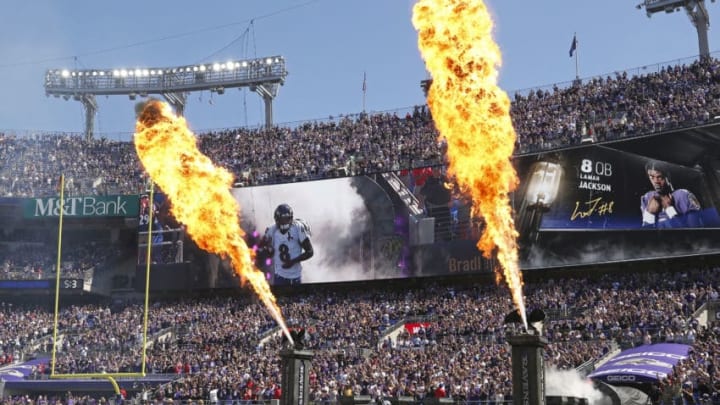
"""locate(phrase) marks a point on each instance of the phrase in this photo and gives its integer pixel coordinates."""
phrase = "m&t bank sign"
(95, 206)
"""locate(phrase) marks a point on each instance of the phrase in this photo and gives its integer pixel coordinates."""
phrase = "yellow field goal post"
(111, 377)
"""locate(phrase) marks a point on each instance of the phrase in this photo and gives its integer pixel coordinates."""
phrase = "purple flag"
(647, 363)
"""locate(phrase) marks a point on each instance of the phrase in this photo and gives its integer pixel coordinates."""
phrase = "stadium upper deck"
(601, 109)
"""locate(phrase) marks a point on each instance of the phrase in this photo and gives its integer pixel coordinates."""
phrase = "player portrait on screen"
(665, 206)
(287, 243)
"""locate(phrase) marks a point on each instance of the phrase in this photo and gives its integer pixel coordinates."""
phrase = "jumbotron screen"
(355, 231)
(602, 188)
(353, 227)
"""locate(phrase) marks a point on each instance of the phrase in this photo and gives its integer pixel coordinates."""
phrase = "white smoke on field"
(569, 383)
(337, 216)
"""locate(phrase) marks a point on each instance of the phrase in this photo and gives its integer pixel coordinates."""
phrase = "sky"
(329, 46)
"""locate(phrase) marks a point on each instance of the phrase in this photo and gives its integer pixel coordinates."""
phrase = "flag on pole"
(573, 45)
(364, 86)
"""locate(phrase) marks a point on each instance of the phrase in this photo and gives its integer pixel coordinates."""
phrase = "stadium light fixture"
(696, 11)
(262, 75)
(240, 73)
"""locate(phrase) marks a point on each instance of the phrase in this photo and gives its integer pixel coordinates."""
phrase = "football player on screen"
(287, 242)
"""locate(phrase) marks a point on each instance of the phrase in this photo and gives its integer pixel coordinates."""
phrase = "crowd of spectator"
(63, 399)
(600, 109)
(618, 106)
(21, 327)
(32, 254)
(229, 346)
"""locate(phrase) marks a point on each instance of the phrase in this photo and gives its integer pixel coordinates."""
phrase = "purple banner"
(647, 363)
(20, 372)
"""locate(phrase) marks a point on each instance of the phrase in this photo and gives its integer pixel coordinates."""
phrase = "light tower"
(262, 75)
(695, 10)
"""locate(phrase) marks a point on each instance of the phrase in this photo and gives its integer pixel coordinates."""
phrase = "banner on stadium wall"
(88, 206)
(596, 187)
(647, 363)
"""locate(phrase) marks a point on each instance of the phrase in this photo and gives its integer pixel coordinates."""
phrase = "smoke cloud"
(569, 383)
(606, 250)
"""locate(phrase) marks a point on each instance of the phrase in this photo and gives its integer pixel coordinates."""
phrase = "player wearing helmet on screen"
(288, 243)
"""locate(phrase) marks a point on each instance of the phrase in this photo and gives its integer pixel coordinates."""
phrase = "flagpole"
(577, 71)
(363, 109)
(364, 90)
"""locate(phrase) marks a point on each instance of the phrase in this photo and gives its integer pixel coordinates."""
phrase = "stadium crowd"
(226, 348)
(229, 346)
(33, 256)
(601, 109)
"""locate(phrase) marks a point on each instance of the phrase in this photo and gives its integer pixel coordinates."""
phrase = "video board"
(598, 188)
(355, 231)
(590, 205)
(597, 204)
